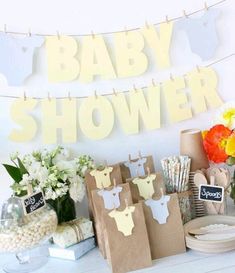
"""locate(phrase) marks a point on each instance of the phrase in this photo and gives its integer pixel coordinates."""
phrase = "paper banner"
(175, 100)
(61, 61)
(130, 59)
(160, 42)
(16, 55)
(66, 120)
(95, 60)
(203, 85)
(96, 116)
(148, 109)
(19, 114)
(201, 33)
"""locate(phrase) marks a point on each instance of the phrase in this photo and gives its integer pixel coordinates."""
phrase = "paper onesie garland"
(124, 220)
(136, 167)
(111, 197)
(201, 33)
(102, 177)
(145, 185)
(159, 208)
(16, 55)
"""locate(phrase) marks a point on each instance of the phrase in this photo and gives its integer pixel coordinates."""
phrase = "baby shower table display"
(25, 223)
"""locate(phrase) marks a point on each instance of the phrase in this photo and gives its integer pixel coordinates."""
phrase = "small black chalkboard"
(211, 193)
(34, 202)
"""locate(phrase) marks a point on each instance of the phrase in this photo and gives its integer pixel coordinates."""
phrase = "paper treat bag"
(128, 244)
(166, 234)
(102, 207)
(144, 187)
(137, 166)
(191, 144)
(101, 178)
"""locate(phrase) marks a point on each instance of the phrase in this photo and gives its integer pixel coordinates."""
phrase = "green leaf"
(22, 167)
(14, 172)
(231, 161)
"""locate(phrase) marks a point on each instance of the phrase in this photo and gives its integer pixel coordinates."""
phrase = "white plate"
(216, 246)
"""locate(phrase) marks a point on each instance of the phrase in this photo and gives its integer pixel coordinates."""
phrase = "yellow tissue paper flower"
(226, 115)
(230, 146)
(204, 133)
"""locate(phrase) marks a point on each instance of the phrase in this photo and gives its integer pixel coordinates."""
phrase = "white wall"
(75, 16)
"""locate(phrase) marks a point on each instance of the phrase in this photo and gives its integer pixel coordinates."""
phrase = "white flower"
(68, 166)
(38, 172)
(14, 156)
(62, 155)
(28, 160)
(26, 180)
(226, 115)
(77, 189)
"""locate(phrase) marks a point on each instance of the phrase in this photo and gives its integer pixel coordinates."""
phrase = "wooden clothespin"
(140, 155)
(114, 182)
(114, 92)
(148, 171)
(48, 96)
(69, 96)
(126, 203)
(185, 14)
(129, 157)
(25, 98)
(95, 94)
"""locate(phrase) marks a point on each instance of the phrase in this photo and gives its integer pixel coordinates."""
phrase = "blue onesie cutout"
(16, 57)
(201, 33)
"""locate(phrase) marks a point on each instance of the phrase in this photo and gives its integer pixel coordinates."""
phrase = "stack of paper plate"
(209, 246)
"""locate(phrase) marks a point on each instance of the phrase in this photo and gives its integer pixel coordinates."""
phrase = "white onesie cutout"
(159, 208)
(124, 220)
(102, 178)
(111, 198)
(145, 185)
(136, 167)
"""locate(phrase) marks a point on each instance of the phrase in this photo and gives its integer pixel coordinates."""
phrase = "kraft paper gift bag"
(128, 244)
(191, 144)
(144, 187)
(137, 166)
(104, 201)
(164, 226)
(101, 178)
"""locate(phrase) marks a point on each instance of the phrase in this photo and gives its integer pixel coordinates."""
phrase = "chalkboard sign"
(34, 202)
(211, 193)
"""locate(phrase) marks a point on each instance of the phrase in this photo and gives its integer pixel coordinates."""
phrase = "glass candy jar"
(19, 233)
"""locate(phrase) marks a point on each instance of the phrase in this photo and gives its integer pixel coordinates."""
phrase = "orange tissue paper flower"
(215, 142)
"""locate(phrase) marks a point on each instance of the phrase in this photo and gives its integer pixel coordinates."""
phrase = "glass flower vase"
(64, 207)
